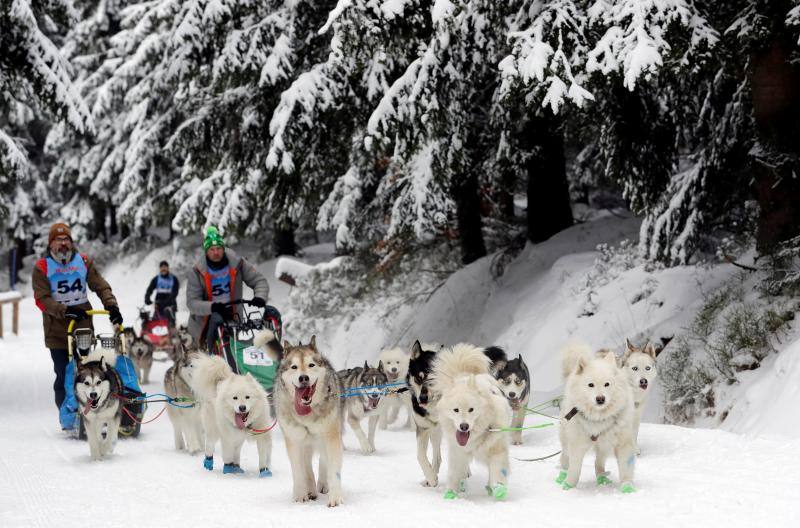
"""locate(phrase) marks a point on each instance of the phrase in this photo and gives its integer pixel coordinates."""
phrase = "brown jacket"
(53, 313)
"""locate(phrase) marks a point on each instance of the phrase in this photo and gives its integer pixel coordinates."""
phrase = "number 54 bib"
(68, 281)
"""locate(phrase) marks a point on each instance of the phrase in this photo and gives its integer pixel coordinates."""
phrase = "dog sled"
(80, 344)
(159, 334)
(235, 344)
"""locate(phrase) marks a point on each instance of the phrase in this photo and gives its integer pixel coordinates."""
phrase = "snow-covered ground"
(685, 476)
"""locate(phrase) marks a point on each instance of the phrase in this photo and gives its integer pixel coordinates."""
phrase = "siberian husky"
(96, 383)
(423, 404)
(395, 364)
(187, 423)
(597, 413)
(639, 365)
(472, 411)
(141, 352)
(310, 412)
(363, 402)
(515, 383)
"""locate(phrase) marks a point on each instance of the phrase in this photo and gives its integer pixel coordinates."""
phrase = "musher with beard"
(217, 279)
(166, 286)
(61, 283)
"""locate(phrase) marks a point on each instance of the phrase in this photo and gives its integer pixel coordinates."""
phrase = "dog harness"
(571, 414)
(67, 281)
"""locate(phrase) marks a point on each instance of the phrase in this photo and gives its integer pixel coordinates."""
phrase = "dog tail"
(461, 360)
(497, 357)
(266, 339)
(208, 372)
(570, 355)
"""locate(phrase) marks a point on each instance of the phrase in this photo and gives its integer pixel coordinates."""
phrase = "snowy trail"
(686, 476)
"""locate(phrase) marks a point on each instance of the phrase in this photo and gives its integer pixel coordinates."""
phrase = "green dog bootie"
(499, 491)
(603, 480)
(450, 495)
(566, 486)
(627, 487)
(562, 476)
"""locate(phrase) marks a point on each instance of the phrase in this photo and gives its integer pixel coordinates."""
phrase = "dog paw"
(335, 500)
(450, 495)
(430, 483)
(627, 487)
(367, 450)
(208, 463)
(462, 486)
(322, 488)
(567, 486)
(516, 442)
(562, 476)
(603, 480)
(312, 496)
(301, 498)
(264, 472)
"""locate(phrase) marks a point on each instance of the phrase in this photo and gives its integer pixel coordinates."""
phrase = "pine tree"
(34, 83)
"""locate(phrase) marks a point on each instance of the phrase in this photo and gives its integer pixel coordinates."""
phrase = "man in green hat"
(215, 280)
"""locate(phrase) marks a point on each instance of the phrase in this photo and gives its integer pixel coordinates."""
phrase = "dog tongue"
(462, 437)
(240, 419)
(373, 402)
(302, 395)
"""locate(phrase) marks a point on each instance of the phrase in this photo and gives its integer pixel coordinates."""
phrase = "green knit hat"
(213, 238)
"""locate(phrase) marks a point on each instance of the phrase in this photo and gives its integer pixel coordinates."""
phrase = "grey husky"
(515, 382)
(142, 354)
(187, 423)
(310, 413)
(95, 386)
(639, 365)
(364, 403)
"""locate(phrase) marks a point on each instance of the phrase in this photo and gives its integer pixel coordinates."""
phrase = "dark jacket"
(164, 299)
(53, 313)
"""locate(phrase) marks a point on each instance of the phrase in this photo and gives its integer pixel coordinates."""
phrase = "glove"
(75, 313)
(220, 308)
(148, 302)
(258, 302)
(114, 315)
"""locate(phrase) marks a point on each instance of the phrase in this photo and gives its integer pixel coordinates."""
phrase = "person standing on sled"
(60, 281)
(217, 279)
(166, 286)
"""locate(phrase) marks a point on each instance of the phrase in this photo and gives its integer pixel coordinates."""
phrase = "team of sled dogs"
(474, 398)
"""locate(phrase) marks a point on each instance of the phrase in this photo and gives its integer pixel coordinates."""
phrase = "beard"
(61, 255)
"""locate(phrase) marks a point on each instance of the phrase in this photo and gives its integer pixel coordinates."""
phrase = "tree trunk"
(468, 215)
(775, 84)
(549, 209)
(284, 240)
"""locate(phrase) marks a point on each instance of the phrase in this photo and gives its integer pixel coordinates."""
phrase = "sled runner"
(81, 343)
(235, 344)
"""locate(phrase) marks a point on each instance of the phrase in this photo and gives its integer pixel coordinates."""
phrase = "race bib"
(256, 357)
(159, 331)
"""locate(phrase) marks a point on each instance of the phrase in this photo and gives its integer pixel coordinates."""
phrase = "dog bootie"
(208, 463)
(231, 469)
(603, 480)
(627, 487)
(450, 495)
(264, 472)
(499, 491)
(562, 476)
(567, 486)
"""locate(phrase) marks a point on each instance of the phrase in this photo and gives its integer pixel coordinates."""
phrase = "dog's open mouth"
(372, 403)
(302, 398)
(643, 384)
(241, 419)
(93, 403)
(462, 437)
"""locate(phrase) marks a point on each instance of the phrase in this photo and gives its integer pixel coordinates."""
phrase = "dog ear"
(630, 346)
(286, 344)
(313, 343)
(650, 350)
(611, 357)
(416, 350)
(366, 365)
(380, 365)
(103, 364)
(579, 368)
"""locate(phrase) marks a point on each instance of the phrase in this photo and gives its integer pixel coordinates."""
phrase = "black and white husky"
(364, 388)
(515, 381)
(96, 384)
(187, 423)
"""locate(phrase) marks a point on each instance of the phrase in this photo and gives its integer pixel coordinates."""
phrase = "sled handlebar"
(71, 328)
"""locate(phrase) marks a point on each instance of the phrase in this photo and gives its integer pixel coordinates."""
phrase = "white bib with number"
(256, 357)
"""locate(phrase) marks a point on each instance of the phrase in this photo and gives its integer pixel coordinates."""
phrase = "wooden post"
(15, 318)
(1, 321)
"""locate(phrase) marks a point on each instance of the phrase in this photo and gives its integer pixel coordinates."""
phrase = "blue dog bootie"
(231, 469)
(208, 463)
(264, 472)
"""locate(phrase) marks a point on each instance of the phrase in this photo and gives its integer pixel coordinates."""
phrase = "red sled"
(156, 332)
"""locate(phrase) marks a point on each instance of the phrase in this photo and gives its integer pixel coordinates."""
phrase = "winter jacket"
(198, 290)
(164, 299)
(53, 313)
